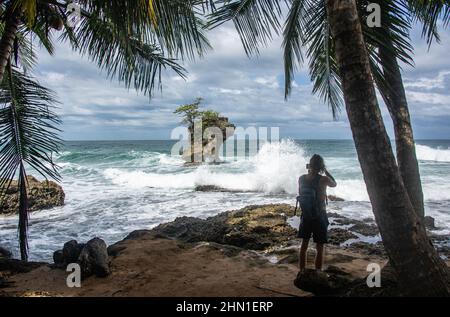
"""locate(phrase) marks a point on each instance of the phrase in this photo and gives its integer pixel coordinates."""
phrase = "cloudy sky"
(248, 91)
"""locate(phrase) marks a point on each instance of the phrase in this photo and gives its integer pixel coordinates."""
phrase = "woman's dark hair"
(317, 163)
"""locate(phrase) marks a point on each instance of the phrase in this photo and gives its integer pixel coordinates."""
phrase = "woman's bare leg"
(319, 256)
(302, 255)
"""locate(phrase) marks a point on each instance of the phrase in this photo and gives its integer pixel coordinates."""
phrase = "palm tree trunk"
(7, 40)
(395, 99)
(421, 272)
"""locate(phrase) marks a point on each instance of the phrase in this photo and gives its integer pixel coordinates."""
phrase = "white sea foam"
(273, 170)
(426, 153)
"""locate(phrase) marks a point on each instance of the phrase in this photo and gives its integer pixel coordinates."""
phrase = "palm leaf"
(293, 39)
(323, 67)
(256, 21)
(178, 29)
(133, 62)
(429, 13)
(28, 130)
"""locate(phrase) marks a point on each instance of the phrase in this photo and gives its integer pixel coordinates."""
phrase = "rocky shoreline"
(254, 245)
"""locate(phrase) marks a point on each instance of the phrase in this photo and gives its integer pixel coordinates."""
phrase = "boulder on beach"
(41, 195)
(71, 251)
(5, 253)
(92, 257)
(313, 281)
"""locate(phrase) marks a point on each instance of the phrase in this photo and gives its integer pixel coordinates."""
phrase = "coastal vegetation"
(213, 131)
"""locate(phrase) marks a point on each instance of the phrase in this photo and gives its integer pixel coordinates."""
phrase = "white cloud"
(246, 90)
(428, 83)
(268, 81)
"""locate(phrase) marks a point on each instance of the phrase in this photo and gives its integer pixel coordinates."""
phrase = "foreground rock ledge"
(41, 195)
(248, 252)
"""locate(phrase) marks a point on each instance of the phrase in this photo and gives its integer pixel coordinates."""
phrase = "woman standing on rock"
(312, 189)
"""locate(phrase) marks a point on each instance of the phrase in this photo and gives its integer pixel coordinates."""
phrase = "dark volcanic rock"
(339, 235)
(71, 251)
(429, 222)
(136, 234)
(389, 286)
(4, 253)
(41, 195)
(189, 229)
(253, 227)
(335, 198)
(368, 248)
(365, 229)
(334, 215)
(214, 188)
(313, 281)
(58, 258)
(94, 259)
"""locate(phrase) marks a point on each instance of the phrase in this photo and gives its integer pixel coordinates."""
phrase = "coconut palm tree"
(345, 58)
(420, 270)
(307, 24)
(131, 41)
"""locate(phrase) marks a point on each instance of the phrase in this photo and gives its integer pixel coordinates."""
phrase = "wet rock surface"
(337, 236)
(214, 188)
(253, 227)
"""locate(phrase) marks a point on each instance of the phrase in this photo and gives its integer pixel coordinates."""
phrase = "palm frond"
(256, 21)
(293, 41)
(394, 35)
(28, 130)
(172, 24)
(323, 67)
(131, 61)
(429, 13)
(393, 39)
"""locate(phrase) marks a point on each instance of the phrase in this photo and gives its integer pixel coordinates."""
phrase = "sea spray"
(427, 153)
(274, 169)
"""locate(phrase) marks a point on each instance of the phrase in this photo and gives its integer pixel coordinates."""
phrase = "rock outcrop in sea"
(41, 195)
(208, 149)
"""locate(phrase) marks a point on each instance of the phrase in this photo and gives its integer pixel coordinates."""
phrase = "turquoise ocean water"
(114, 187)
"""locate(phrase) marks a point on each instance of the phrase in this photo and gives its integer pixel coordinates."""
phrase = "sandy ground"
(150, 266)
